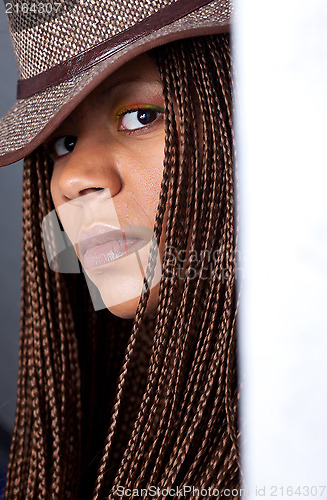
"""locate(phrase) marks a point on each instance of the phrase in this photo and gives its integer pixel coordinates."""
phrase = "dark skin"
(108, 165)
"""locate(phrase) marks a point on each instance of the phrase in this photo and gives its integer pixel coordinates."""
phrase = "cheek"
(53, 193)
(54, 186)
(146, 178)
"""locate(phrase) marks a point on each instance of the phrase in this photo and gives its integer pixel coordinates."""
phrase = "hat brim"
(31, 120)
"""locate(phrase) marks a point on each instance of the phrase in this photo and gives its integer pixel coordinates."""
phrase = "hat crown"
(46, 33)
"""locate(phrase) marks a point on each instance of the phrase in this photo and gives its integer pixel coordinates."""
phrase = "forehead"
(140, 73)
(141, 68)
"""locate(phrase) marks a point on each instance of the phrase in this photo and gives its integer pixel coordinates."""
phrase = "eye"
(63, 145)
(137, 118)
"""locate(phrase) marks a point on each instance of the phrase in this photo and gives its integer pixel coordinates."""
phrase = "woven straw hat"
(65, 48)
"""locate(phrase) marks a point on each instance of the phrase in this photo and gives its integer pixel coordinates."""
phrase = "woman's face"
(108, 162)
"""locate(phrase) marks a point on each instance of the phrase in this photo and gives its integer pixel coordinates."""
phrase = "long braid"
(50, 438)
(164, 319)
(166, 182)
(186, 112)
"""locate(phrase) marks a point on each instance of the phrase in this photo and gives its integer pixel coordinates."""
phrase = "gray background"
(10, 248)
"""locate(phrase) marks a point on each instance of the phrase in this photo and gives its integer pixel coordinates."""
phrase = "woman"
(131, 143)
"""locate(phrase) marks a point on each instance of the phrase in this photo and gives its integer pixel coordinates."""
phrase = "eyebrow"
(106, 92)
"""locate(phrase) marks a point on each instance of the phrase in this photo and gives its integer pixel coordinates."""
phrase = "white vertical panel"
(281, 61)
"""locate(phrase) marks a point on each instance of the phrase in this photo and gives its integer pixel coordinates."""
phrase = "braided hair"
(105, 402)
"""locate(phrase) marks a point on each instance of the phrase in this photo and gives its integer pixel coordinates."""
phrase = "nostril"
(90, 190)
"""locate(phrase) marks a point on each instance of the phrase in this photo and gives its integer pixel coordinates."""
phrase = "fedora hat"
(65, 49)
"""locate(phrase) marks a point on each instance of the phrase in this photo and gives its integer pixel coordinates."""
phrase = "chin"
(121, 284)
(127, 309)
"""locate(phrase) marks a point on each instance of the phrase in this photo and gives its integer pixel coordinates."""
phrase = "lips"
(102, 244)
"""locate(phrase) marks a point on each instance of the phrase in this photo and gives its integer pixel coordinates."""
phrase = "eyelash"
(49, 147)
(129, 110)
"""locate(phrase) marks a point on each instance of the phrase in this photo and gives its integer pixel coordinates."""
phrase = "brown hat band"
(85, 60)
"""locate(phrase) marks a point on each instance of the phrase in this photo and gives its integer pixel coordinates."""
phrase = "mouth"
(103, 245)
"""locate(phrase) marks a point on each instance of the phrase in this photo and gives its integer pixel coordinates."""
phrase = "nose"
(92, 166)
